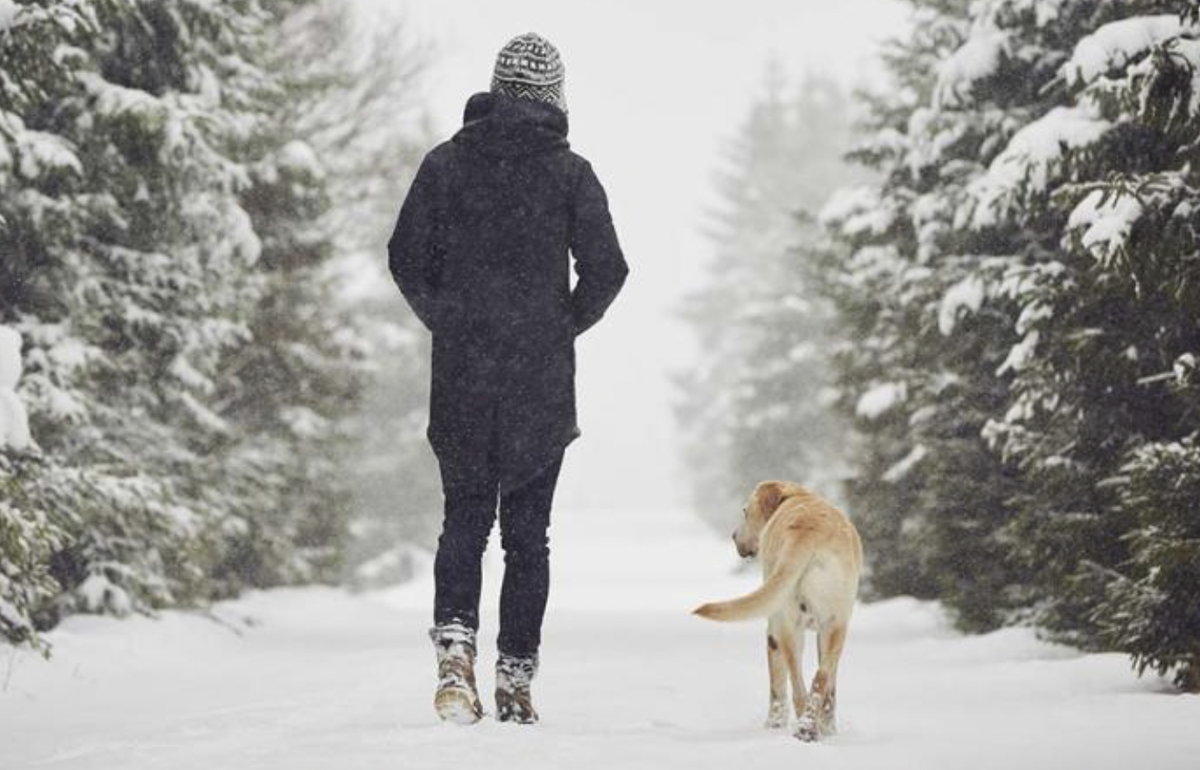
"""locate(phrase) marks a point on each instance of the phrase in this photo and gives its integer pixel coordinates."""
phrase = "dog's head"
(763, 502)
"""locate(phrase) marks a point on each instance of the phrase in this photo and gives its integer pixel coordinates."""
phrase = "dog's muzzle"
(745, 553)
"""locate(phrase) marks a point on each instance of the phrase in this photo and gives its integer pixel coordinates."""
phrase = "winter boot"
(513, 700)
(456, 699)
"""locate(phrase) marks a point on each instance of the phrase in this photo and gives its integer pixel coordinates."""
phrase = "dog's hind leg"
(791, 643)
(820, 715)
(796, 667)
(777, 715)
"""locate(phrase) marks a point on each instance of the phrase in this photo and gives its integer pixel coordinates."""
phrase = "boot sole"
(515, 721)
(506, 711)
(456, 708)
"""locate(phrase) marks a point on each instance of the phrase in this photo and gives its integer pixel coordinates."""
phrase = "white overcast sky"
(654, 88)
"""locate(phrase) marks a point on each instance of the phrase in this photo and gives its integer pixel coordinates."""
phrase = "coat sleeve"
(599, 263)
(414, 253)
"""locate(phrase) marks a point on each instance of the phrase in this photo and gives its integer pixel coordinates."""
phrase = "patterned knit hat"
(529, 67)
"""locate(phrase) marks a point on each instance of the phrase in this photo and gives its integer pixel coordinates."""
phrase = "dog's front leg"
(777, 667)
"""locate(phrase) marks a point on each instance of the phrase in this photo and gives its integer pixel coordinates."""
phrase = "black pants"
(524, 520)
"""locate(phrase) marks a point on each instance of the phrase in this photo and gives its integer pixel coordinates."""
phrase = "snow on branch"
(14, 423)
(901, 468)
(963, 298)
(1033, 156)
(1117, 43)
(1021, 354)
(42, 153)
(857, 211)
(1106, 219)
(8, 13)
(880, 399)
(976, 60)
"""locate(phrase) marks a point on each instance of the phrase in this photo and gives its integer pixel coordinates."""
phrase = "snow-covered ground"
(317, 678)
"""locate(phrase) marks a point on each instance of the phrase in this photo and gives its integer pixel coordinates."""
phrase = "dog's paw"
(807, 730)
(777, 719)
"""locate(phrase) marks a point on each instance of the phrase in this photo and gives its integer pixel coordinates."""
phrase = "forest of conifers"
(985, 343)
(991, 340)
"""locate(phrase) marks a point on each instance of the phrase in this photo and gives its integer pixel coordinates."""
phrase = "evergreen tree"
(929, 495)
(1150, 606)
(289, 389)
(126, 255)
(34, 79)
(167, 250)
(1025, 277)
(752, 407)
(321, 198)
(341, 68)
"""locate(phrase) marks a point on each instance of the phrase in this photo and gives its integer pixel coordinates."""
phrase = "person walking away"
(482, 252)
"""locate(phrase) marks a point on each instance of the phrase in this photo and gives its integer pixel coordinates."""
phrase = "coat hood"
(502, 126)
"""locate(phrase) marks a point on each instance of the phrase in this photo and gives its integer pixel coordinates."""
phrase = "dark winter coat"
(481, 251)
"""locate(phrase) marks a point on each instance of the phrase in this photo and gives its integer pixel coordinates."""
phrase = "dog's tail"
(765, 599)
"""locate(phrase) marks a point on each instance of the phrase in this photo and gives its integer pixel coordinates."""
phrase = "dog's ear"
(769, 495)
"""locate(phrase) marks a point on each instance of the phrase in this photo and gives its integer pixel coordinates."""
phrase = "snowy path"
(328, 681)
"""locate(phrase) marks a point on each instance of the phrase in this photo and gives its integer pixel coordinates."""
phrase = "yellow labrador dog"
(811, 557)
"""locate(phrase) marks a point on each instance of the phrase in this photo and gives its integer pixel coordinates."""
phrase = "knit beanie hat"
(529, 67)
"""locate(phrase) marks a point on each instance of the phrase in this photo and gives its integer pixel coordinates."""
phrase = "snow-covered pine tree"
(1115, 331)
(28, 540)
(144, 171)
(33, 78)
(340, 61)
(1091, 194)
(27, 537)
(916, 368)
(125, 252)
(1150, 607)
(173, 101)
(1046, 174)
(751, 409)
(321, 198)
(783, 424)
(289, 389)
